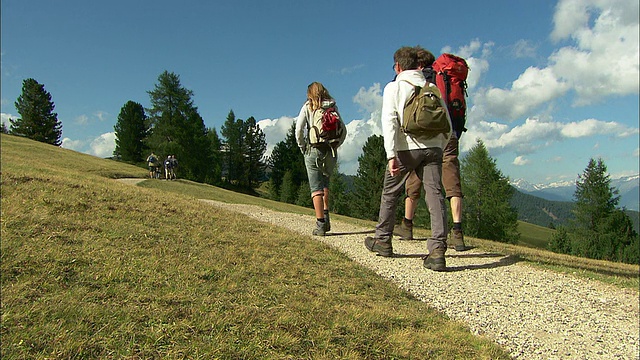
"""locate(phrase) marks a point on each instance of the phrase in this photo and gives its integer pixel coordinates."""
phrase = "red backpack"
(451, 79)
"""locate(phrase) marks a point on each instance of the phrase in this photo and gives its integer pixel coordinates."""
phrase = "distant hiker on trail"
(167, 168)
(152, 161)
(174, 166)
(319, 132)
(450, 171)
(410, 148)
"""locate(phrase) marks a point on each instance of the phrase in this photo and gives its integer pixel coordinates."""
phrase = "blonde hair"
(316, 92)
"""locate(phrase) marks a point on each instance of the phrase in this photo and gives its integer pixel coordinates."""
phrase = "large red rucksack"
(451, 78)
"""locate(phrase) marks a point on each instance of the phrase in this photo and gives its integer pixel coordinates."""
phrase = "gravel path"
(533, 313)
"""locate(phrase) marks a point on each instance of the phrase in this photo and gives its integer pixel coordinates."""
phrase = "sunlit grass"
(93, 268)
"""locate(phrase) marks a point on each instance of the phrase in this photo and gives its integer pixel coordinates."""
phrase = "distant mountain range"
(628, 188)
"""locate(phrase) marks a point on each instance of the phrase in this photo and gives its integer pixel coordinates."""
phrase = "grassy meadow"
(94, 268)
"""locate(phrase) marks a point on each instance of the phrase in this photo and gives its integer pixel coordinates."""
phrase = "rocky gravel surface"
(533, 313)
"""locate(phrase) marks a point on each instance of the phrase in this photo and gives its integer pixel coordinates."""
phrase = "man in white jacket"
(406, 153)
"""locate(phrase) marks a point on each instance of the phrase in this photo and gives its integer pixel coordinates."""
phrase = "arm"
(301, 127)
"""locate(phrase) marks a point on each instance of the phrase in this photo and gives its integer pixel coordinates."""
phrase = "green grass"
(93, 268)
(534, 236)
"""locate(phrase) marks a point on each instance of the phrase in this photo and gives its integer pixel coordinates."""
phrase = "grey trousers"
(428, 166)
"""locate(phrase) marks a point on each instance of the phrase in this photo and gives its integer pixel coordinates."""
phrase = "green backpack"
(424, 116)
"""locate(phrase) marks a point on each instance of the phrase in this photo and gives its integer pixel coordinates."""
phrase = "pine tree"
(288, 190)
(286, 156)
(339, 199)
(488, 213)
(600, 230)
(4, 129)
(369, 179)
(255, 146)
(131, 130)
(177, 129)
(233, 132)
(38, 121)
(215, 167)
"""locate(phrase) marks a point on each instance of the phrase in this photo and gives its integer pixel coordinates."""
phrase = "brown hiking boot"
(435, 260)
(456, 240)
(382, 248)
(404, 230)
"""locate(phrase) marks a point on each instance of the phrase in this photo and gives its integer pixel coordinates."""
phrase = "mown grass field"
(94, 268)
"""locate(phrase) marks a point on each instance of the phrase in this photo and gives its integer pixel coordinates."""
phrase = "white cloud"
(101, 115)
(601, 60)
(605, 58)
(103, 145)
(532, 89)
(82, 120)
(77, 145)
(524, 49)
(591, 127)
(520, 161)
(536, 133)
(4, 118)
(275, 130)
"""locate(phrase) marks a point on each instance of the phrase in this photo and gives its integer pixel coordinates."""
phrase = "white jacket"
(394, 97)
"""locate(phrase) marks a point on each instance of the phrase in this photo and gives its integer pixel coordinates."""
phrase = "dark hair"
(425, 57)
(406, 57)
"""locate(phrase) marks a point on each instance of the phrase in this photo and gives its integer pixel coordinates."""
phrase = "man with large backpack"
(449, 72)
(410, 150)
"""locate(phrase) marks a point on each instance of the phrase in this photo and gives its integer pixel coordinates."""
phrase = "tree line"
(235, 158)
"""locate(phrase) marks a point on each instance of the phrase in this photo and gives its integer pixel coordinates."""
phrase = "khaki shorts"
(450, 174)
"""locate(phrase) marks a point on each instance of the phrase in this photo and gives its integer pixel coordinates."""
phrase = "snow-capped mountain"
(628, 188)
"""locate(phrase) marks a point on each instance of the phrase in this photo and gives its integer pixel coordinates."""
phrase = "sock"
(457, 226)
(320, 220)
(407, 221)
(326, 213)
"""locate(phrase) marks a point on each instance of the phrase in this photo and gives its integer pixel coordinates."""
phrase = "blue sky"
(552, 83)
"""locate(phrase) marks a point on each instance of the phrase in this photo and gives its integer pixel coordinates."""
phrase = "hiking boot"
(404, 230)
(382, 248)
(327, 221)
(456, 240)
(435, 260)
(321, 228)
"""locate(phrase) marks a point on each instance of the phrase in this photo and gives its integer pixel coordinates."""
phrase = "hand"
(393, 167)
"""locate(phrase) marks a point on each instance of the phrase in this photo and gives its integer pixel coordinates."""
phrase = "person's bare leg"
(409, 208)
(456, 208)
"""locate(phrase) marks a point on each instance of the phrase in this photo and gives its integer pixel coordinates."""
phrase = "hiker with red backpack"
(319, 132)
(410, 149)
(449, 73)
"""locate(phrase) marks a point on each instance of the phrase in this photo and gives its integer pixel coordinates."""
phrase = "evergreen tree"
(177, 129)
(304, 195)
(38, 121)
(215, 167)
(255, 146)
(131, 130)
(369, 179)
(488, 213)
(600, 230)
(286, 156)
(233, 132)
(4, 129)
(339, 199)
(288, 190)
